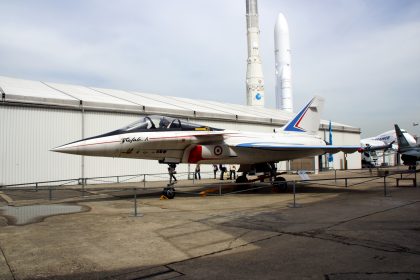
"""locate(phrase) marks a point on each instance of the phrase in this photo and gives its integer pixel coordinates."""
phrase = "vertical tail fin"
(402, 141)
(308, 119)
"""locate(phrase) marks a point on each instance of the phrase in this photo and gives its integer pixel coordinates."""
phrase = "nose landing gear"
(169, 191)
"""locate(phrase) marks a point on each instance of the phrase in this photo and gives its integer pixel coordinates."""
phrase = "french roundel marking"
(218, 150)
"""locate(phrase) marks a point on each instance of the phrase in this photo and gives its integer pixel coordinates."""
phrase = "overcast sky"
(362, 56)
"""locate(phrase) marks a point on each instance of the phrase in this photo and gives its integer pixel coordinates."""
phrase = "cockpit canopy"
(162, 123)
(158, 123)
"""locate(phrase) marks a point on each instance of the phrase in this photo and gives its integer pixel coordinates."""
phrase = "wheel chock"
(203, 193)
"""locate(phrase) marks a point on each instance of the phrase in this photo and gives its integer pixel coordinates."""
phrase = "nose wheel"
(169, 191)
(280, 184)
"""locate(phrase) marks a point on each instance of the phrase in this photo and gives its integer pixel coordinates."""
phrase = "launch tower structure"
(254, 75)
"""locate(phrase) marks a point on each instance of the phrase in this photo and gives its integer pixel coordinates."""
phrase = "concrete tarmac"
(335, 233)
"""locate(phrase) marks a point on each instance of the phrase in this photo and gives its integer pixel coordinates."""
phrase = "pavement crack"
(320, 233)
(7, 262)
(323, 235)
(157, 272)
(370, 214)
(370, 244)
(237, 237)
(372, 275)
(225, 250)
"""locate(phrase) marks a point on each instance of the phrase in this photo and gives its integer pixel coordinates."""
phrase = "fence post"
(335, 176)
(294, 205)
(36, 187)
(385, 194)
(345, 180)
(118, 179)
(136, 213)
(83, 186)
(49, 193)
(135, 203)
(144, 181)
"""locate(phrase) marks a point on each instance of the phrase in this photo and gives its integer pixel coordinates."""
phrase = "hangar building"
(38, 116)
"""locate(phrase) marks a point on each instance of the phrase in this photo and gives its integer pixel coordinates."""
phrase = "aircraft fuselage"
(177, 146)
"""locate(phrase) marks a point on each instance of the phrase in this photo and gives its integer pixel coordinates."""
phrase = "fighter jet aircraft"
(172, 141)
(410, 152)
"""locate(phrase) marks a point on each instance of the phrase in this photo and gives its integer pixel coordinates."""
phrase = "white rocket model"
(254, 75)
(284, 98)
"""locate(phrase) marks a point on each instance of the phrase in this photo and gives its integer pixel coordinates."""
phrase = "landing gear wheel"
(242, 179)
(169, 192)
(280, 184)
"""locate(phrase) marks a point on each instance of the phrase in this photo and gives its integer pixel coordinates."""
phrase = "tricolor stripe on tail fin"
(308, 119)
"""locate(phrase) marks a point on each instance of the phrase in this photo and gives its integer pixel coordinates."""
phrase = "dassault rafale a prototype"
(172, 141)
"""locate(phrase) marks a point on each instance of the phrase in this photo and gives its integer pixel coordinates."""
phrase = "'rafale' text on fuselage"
(134, 139)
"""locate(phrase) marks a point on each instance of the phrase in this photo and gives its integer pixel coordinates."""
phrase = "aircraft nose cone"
(71, 148)
(58, 149)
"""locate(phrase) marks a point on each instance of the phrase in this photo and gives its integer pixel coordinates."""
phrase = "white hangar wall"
(27, 134)
(342, 138)
(37, 116)
(354, 159)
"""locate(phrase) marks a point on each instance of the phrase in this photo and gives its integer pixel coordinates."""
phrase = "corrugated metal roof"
(88, 95)
(64, 95)
(16, 87)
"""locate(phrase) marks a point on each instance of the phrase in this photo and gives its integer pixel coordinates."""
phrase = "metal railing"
(382, 177)
(148, 177)
(114, 179)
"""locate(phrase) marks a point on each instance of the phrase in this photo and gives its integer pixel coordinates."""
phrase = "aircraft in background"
(172, 141)
(410, 152)
(384, 141)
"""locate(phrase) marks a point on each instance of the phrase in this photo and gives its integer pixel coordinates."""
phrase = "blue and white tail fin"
(308, 119)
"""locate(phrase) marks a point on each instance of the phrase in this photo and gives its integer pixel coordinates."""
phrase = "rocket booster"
(254, 75)
(284, 98)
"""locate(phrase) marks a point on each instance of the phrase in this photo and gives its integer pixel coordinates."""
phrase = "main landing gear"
(278, 182)
(269, 171)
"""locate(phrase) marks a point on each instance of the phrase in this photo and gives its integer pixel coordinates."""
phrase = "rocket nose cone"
(281, 16)
(281, 23)
(281, 35)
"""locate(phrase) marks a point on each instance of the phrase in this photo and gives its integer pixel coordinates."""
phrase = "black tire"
(241, 179)
(169, 192)
(280, 183)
